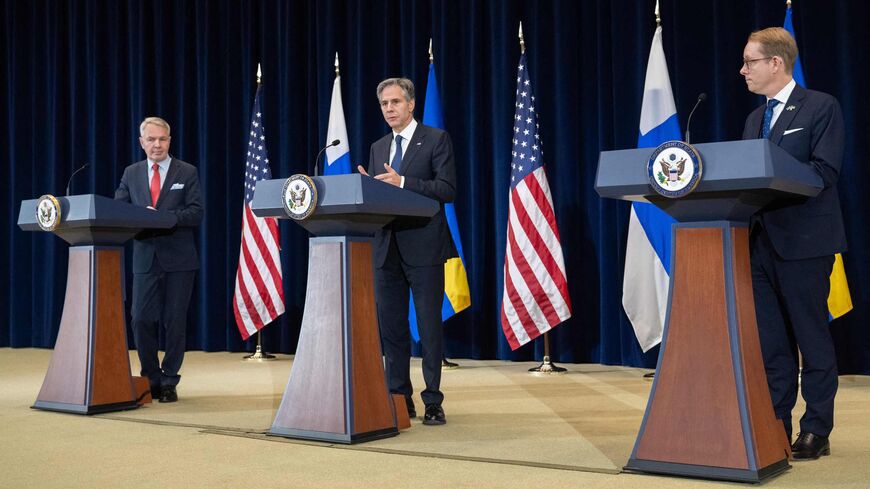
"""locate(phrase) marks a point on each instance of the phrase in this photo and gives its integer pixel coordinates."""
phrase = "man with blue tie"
(410, 252)
(164, 262)
(793, 242)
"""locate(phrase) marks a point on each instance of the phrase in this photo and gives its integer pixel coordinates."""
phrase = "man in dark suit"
(793, 242)
(164, 262)
(411, 252)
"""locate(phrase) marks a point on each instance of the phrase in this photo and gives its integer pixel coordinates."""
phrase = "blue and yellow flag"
(457, 296)
(839, 298)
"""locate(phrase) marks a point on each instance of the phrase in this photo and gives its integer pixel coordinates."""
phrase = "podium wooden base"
(403, 420)
(143, 390)
(89, 370)
(709, 413)
(337, 391)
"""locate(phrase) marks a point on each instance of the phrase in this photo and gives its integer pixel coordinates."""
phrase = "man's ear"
(780, 64)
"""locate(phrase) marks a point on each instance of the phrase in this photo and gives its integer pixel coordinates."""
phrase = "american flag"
(535, 297)
(259, 295)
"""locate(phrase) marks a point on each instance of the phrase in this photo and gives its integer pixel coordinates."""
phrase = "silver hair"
(156, 121)
(405, 84)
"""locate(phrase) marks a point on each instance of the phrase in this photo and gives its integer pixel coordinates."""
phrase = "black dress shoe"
(156, 391)
(412, 411)
(809, 446)
(168, 394)
(434, 415)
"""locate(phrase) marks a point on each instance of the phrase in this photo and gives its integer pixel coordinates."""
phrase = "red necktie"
(155, 184)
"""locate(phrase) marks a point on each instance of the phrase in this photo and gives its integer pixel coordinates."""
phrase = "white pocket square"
(177, 186)
(789, 131)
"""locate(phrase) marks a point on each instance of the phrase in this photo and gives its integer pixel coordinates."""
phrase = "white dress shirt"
(782, 96)
(407, 133)
(162, 167)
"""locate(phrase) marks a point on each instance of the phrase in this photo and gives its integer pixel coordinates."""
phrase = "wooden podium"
(337, 391)
(709, 413)
(89, 370)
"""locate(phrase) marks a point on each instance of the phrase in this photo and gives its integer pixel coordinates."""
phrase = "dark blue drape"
(78, 77)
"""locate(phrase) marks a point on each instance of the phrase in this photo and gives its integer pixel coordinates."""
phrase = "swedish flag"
(839, 298)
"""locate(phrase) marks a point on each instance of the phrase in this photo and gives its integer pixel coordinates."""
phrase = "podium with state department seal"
(709, 413)
(337, 391)
(89, 371)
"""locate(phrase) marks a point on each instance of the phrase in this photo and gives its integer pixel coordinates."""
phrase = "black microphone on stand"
(702, 97)
(68, 183)
(317, 158)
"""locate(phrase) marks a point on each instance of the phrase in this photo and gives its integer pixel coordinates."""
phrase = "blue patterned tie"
(397, 158)
(768, 116)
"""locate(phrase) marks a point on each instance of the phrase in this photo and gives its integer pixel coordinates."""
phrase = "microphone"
(335, 142)
(702, 97)
(68, 183)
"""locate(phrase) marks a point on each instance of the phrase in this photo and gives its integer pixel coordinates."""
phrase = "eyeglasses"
(748, 63)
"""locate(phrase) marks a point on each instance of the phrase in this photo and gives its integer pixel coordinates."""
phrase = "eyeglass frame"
(748, 63)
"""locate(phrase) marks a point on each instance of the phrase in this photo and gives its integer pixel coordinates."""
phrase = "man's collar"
(162, 164)
(408, 132)
(783, 95)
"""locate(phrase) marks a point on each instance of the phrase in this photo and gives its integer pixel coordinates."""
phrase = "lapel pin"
(790, 107)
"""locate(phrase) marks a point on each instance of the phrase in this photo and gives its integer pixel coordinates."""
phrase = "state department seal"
(300, 197)
(674, 169)
(48, 212)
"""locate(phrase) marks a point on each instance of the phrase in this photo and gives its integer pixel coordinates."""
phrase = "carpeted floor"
(506, 428)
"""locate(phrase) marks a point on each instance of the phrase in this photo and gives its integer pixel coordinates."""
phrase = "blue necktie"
(768, 116)
(397, 158)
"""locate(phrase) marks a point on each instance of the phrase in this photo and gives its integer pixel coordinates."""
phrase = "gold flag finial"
(522, 39)
(787, 3)
(431, 56)
(336, 63)
(658, 15)
(259, 73)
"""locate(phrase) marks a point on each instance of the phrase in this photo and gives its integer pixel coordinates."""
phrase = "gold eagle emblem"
(674, 170)
(297, 197)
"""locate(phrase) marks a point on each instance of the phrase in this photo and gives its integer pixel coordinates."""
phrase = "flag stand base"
(259, 355)
(548, 367)
(448, 365)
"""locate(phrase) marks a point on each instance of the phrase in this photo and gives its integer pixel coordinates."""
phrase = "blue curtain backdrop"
(78, 77)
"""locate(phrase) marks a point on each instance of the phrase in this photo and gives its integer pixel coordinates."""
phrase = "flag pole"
(445, 363)
(651, 375)
(259, 355)
(546, 366)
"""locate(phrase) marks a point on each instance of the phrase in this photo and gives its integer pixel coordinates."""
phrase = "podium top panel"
(351, 204)
(755, 164)
(739, 178)
(94, 219)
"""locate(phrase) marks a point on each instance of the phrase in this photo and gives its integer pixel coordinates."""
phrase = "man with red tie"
(164, 261)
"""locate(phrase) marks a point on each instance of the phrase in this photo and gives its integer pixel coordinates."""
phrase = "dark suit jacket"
(813, 227)
(429, 169)
(175, 249)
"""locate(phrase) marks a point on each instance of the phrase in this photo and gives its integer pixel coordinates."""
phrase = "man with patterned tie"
(164, 262)
(410, 252)
(793, 242)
